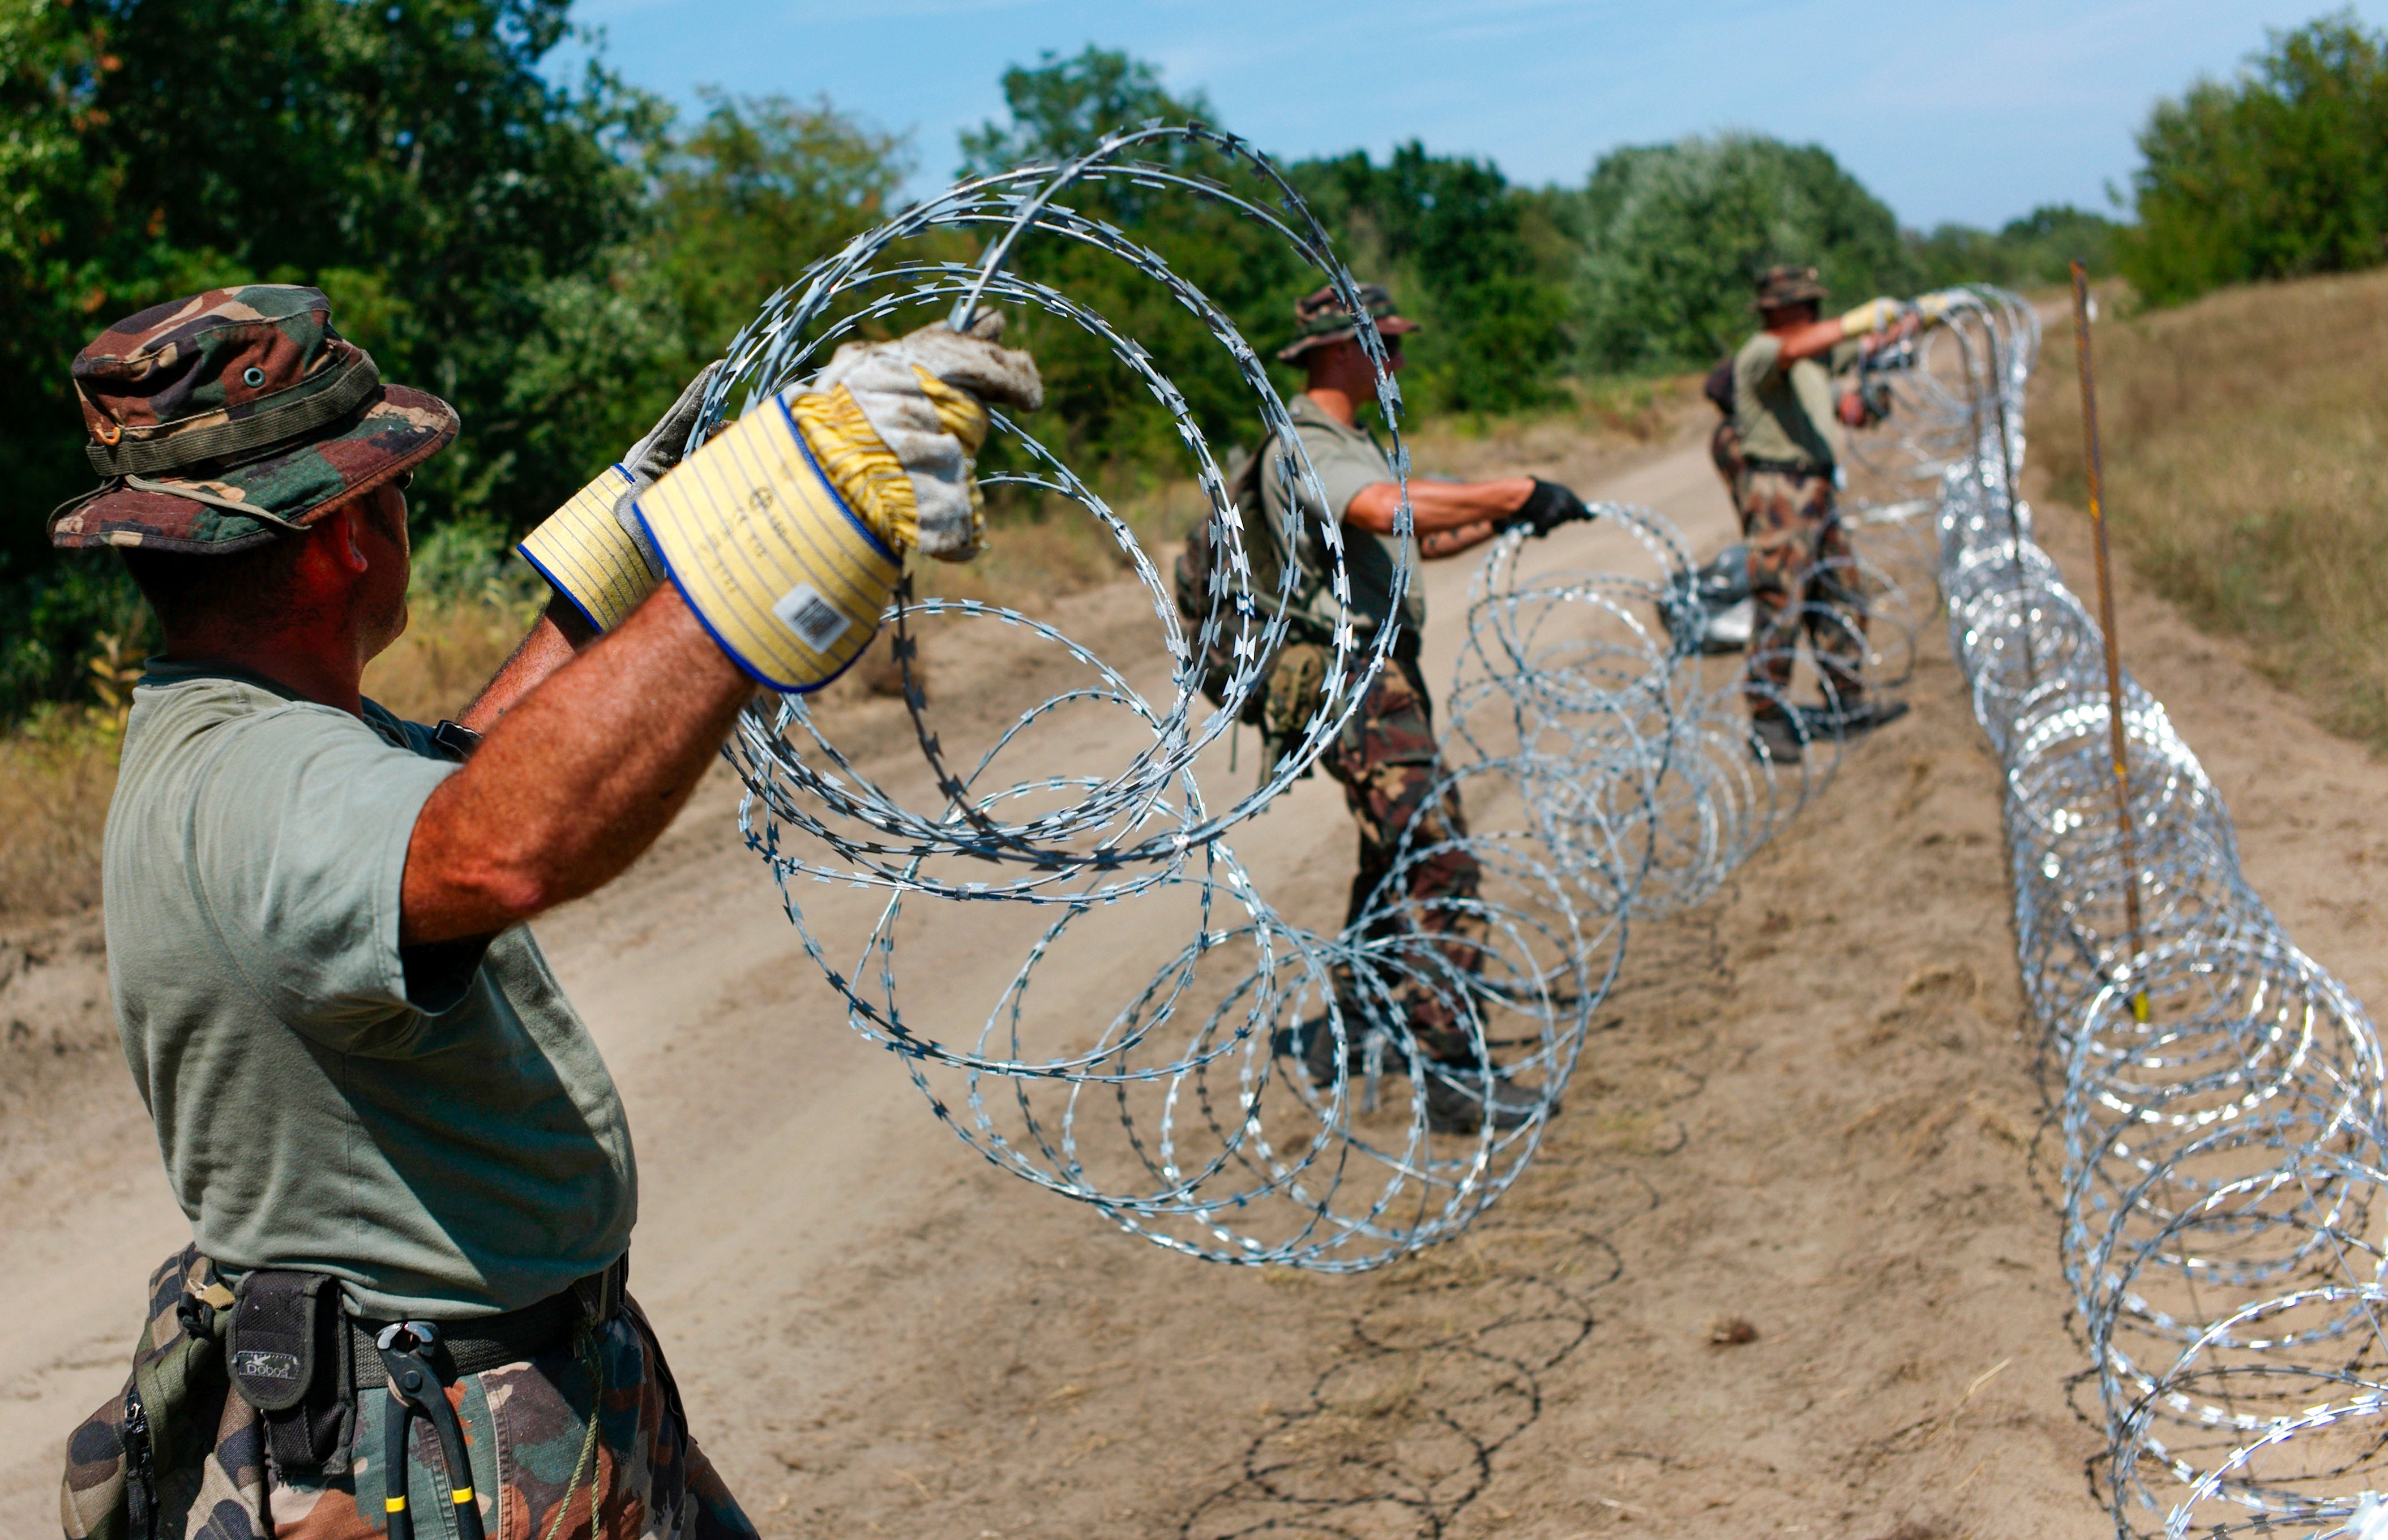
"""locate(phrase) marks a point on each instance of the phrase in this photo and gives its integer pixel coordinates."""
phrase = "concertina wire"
(1604, 780)
(2220, 1103)
(2222, 1156)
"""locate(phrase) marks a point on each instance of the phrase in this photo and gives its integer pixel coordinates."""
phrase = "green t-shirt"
(1784, 414)
(1347, 459)
(435, 1127)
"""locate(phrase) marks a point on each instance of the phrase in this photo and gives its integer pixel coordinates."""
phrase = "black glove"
(1548, 506)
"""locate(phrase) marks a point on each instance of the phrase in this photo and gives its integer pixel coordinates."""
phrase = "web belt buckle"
(416, 1385)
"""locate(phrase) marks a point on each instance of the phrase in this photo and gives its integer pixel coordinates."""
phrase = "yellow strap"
(462, 1495)
(393, 1504)
(586, 553)
(859, 465)
(959, 412)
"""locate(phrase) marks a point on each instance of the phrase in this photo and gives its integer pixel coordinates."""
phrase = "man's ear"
(347, 524)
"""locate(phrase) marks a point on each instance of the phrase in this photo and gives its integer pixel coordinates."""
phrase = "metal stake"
(2117, 740)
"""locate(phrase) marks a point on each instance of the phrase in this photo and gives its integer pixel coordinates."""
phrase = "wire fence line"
(2221, 1105)
(2221, 1099)
(1605, 774)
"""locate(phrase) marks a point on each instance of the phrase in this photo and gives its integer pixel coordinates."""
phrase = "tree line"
(556, 258)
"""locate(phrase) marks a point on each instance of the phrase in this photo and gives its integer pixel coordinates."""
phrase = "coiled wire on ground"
(1605, 774)
(2221, 1095)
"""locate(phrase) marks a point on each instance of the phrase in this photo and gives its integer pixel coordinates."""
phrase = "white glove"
(789, 533)
(923, 399)
(1875, 315)
(1935, 306)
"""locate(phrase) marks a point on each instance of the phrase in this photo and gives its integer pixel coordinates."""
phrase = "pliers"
(416, 1385)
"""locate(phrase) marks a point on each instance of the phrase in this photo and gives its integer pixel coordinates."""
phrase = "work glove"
(1875, 315)
(1548, 506)
(788, 532)
(592, 550)
(903, 420)
(1935, 306)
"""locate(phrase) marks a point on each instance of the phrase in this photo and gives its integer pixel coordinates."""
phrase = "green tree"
(1095, 413)
(758, 189)
(2036, 249)
(736, 207)
(1675, 235)
(406, 156)
(1482, 264)
(2274, 175)
(1062, 108)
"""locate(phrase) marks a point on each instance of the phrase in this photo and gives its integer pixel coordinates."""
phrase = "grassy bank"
(2246, 466)
(471, 604)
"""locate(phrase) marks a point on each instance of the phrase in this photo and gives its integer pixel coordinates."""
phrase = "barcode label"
(815, 620)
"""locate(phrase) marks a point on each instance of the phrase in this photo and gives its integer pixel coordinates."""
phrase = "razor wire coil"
(2221, 1103)
(1261, 1095)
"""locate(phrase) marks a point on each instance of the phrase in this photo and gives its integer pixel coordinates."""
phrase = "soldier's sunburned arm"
(1811, 340)
(1451, 542)
(561, 632)
(575, 780)
(1438, 506)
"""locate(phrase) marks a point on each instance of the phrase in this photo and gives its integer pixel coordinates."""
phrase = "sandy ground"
(1808, 1120)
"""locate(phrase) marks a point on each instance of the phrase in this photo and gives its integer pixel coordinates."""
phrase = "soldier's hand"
(1875, 315)
(897, 425)
(1548, 506)
(592, 549)
(788, 533)
(1935, 306)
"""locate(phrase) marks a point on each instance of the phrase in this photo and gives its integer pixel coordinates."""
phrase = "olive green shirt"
(1784, 413)
(432, 1125)
(1347, 461)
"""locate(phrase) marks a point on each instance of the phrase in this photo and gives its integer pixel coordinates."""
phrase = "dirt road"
(1808, 1121)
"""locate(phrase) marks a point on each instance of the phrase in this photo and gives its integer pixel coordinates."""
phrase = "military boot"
(1852, 719)
(1777, 738)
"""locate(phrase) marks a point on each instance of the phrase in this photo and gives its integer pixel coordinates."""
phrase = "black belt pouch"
(287, 1352)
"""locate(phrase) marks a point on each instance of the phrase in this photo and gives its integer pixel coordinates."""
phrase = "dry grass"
(2246, 470)
(448, 651)
(57, 773)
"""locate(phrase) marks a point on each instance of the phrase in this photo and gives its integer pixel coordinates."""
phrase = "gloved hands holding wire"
(592, 550)
(1547, 506)
(1875, 315)
(1935, 308)
(788, 532)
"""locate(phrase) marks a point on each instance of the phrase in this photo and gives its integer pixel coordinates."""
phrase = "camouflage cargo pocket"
(1296, 687)
(173, 1453)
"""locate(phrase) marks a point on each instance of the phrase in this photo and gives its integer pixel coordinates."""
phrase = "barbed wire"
(2221, 1103)
(1263, 1093)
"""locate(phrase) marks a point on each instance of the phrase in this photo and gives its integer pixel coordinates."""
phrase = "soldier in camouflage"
(408, 1173)
(1384, 757)
(1780, 451)
(375, 1104)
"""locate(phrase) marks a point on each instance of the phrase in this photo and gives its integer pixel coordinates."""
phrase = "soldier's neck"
(1336, 403)
(326, 669)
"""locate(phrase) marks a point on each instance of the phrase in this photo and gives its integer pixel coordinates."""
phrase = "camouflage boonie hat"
(1324, 318)
(229, 418)
(1788, 284)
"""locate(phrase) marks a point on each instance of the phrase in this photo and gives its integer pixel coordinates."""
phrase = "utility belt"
(1787, 467)
(486, 1343)
(283, 1345)
(294, 1354)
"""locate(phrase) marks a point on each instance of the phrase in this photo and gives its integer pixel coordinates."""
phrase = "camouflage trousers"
(1803, 578)
(1385, 761)
(528, 1430)
(1725, 453)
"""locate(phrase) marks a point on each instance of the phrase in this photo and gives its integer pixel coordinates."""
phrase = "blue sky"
(1968, 111)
